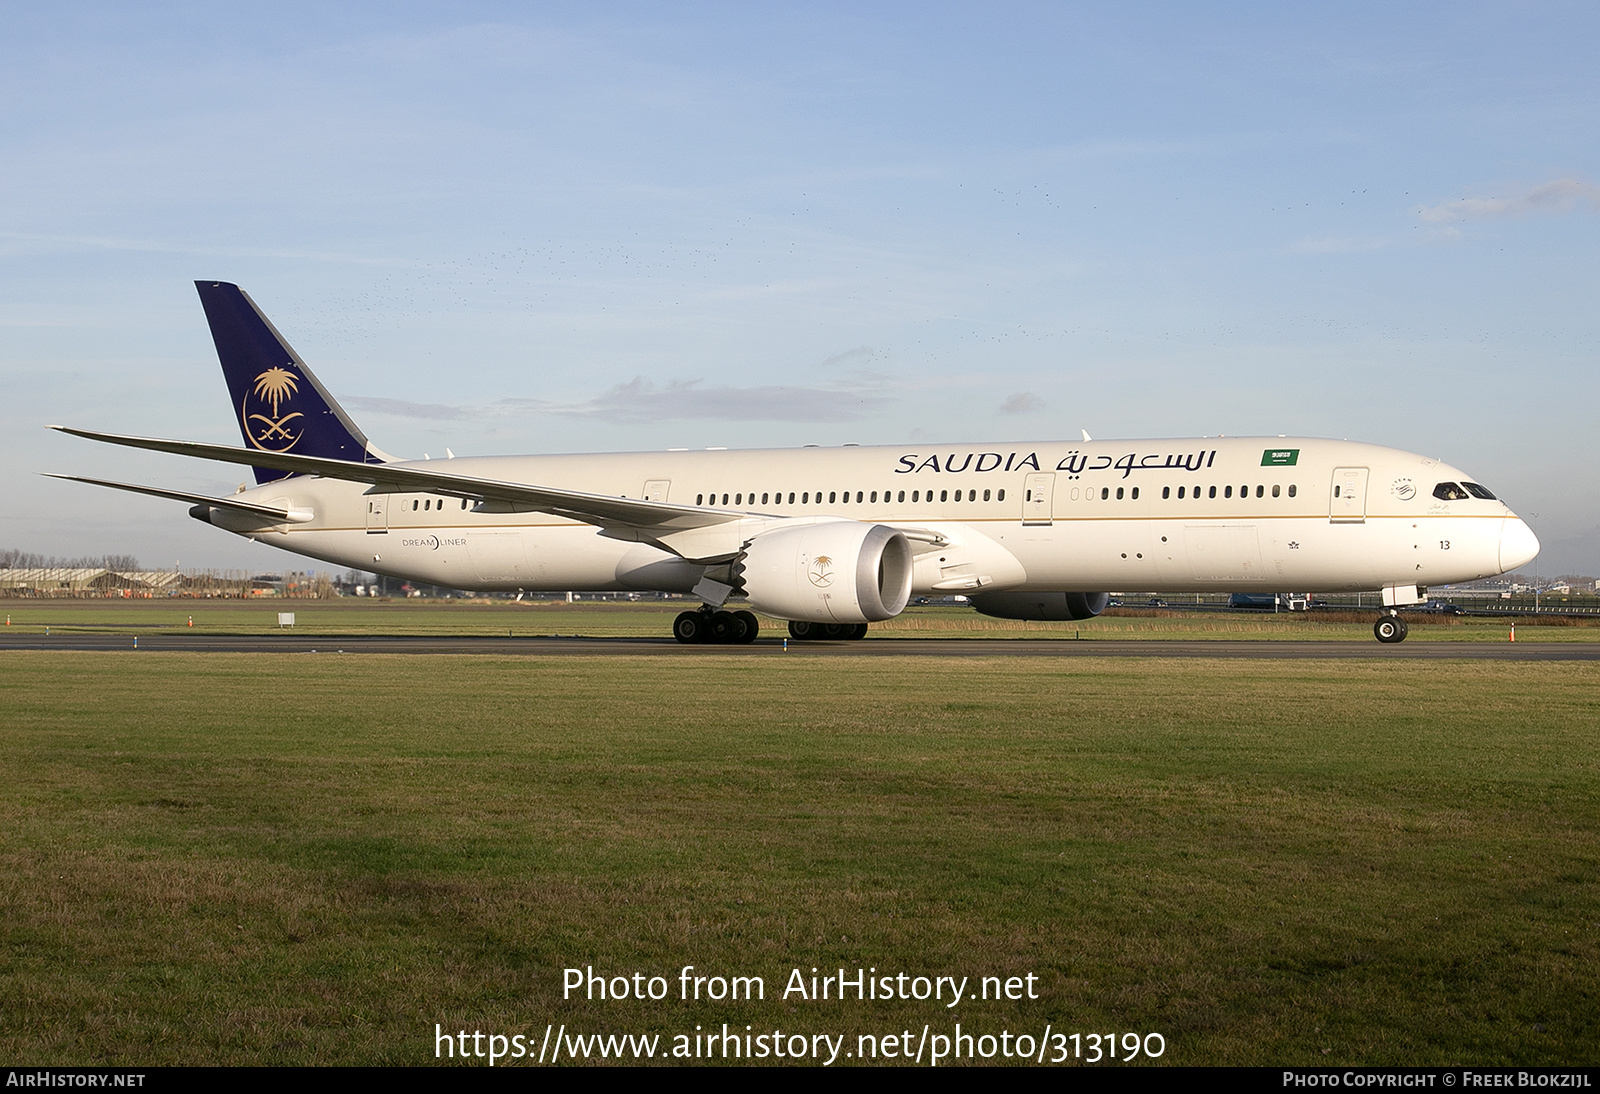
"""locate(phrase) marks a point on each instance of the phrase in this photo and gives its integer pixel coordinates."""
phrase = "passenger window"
(944, 495)
(1227, 491)
(1135, 494)
(791, 497)
(873, 496)
(724, 499)
(958, 495)
(699, 499)
(1000, 496)
(858, 497)
(1275, 489)
(738, 499)
(1166, 492)
(763, 499)
(1180, 492)
(831, 495)
(415, 504)
(1477, 491)
(1105, 492)
(1291, 489)
(1119, 493)
(902, 495)
(1261, 491)
(1213, 492)
(986, 495)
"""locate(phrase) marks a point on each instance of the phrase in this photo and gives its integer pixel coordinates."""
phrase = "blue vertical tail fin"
(280, 405)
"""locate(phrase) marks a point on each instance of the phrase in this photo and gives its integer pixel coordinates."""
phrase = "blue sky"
(546, 228)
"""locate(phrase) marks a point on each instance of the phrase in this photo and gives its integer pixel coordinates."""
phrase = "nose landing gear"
(1390, 628)
(722, 627)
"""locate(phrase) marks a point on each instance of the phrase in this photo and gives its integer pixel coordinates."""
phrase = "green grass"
(603, 619)
(314, 859)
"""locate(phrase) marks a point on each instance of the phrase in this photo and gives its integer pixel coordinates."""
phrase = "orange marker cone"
(1513, 632)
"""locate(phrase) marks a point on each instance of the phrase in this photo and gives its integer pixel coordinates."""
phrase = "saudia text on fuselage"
(1072, 463)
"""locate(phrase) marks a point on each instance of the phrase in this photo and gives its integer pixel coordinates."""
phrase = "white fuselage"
(1266, 514)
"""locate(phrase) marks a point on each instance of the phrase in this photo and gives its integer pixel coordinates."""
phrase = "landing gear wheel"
(752, 626)
(690, 627)
(836, 630)
(726, 627)
(857, 632)
(800, 630)
(1391, 628)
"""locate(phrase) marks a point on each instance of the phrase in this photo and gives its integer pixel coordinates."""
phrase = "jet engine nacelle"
(833, 572)
(1047, 607)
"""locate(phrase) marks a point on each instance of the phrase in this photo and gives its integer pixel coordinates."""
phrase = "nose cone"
(1518, 544)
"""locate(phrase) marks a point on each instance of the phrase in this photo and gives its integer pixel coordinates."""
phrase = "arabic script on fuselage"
(1073, 463)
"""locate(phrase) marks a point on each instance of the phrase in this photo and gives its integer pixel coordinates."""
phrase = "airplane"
(834, 539)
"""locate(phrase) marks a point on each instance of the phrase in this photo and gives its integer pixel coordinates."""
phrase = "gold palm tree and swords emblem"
(271, 432)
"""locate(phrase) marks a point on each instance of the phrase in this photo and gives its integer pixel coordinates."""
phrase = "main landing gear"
(801, 630)
(725, 628)
(1390, 628)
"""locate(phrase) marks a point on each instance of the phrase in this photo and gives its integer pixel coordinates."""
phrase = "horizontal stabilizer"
(654, 517)
(271, 512)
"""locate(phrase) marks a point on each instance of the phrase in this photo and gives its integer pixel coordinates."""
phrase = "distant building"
(86, 580)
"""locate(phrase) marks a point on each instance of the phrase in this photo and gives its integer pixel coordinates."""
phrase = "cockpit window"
(1449, 491)
(1477, 491)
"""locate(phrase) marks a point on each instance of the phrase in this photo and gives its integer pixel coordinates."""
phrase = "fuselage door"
(656, 489)
(377, 513)
(1347, 497)
(1036, 494)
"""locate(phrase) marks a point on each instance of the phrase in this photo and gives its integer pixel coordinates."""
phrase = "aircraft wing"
(282, 516)
(597, 509)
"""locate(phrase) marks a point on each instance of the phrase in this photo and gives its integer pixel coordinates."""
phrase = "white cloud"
(1023, 402)
(640, 400)
(1561, 196)
(840, 358)
(400, 408)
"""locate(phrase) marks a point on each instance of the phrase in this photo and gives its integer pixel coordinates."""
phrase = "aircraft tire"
(800, 630)
(836, 630)
(752, 626)
(689, 627)
(725, 628)
(1390, 628)
(857, 632)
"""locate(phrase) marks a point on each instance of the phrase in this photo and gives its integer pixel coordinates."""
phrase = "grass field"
(314, 859)
(605, 619)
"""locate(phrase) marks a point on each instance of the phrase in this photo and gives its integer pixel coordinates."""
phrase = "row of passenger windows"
(1183, 491)
(837, 497)
(1227, 491)
(842, 497)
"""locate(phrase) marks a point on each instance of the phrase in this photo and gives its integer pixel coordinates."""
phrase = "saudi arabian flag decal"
(1280, 457)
